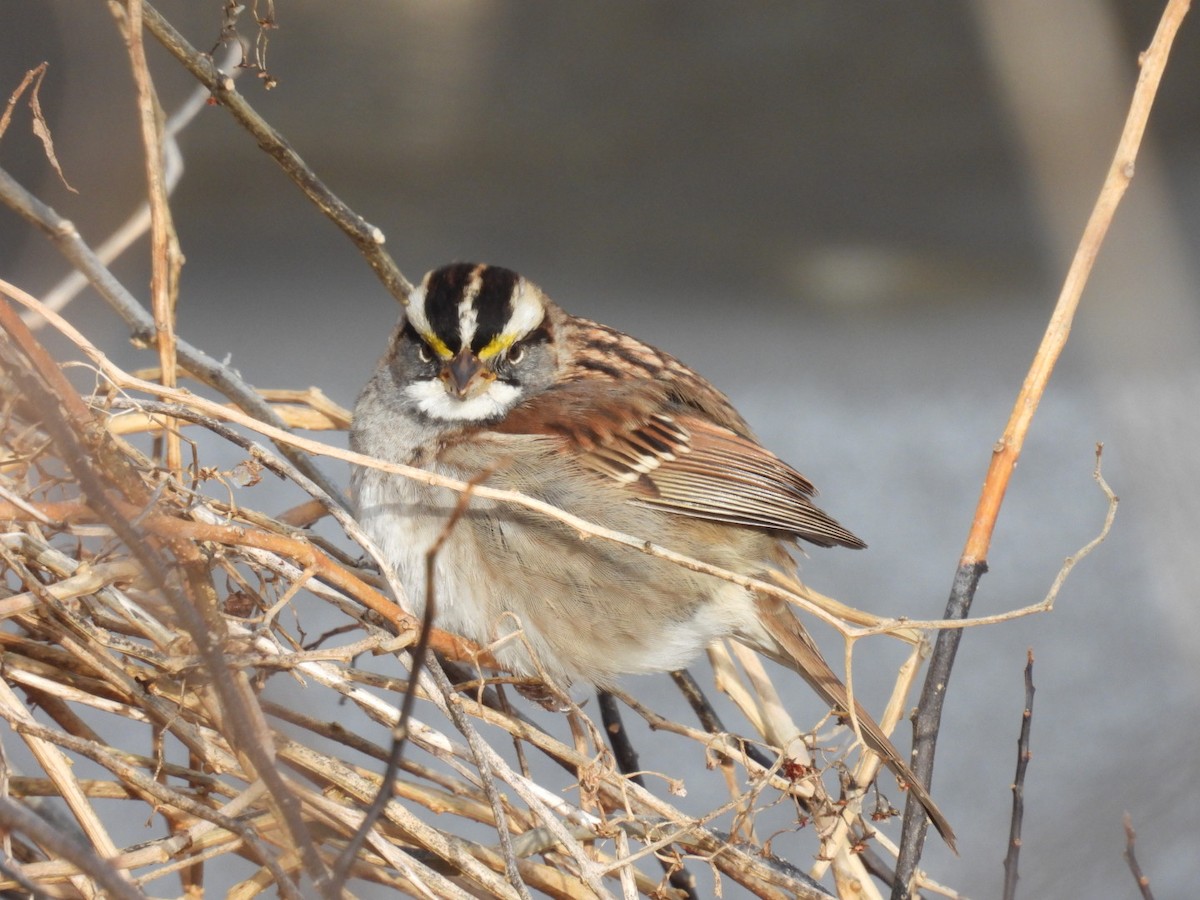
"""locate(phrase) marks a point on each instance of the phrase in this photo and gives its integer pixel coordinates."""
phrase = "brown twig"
(166, 259)
(1143, 882)
(366, 237)
(220, 377)
(17, 818)
(107, 480)
(1024, 754)
(973, 563)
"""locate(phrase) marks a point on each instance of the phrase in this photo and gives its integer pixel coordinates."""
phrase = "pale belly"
(529, 589)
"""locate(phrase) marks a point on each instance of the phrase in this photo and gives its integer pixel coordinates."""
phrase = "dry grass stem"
(166, 257)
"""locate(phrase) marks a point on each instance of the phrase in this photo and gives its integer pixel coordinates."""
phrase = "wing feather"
(671, 455)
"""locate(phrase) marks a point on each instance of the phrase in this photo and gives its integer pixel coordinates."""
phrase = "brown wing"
(641, 433)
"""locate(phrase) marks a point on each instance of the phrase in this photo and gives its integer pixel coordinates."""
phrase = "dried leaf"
(6, 116)
(42, 129)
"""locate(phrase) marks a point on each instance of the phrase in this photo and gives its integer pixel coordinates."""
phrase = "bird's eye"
(424, 352)
(516, 353)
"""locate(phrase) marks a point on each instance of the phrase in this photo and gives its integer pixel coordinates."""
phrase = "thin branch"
(166, 258)
(368, 238)
(1024, 754)
(1143, 882)
(16, 817)
(973, 563)
(66, 239)
(1045, 605)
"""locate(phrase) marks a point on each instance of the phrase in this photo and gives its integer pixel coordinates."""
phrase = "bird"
(485, 378)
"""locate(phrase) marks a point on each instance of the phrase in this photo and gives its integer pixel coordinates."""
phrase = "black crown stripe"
(443, 293)
(493, 304)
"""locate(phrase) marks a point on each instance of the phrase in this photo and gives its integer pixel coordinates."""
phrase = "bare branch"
(1024, 754)
(368, 238)
(216, 375)
(973, 563)
(1143, 882)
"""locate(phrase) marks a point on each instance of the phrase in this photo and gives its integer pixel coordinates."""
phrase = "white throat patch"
(435, 401)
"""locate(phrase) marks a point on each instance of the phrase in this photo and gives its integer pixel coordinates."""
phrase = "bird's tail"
(796, 650)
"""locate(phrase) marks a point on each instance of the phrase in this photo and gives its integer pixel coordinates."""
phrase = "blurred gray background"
(853, 218)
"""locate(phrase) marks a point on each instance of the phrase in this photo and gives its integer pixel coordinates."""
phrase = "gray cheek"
(539, 369)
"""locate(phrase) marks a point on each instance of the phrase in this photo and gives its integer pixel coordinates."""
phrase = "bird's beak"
(465, 376)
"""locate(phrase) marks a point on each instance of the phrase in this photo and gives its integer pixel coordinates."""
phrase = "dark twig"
(627, 764)
(708, 717)
(400, 732)
(618, 738)
(367, 237)
(59, 843)
(1143, 882)
(1018, 811)
(928, 720)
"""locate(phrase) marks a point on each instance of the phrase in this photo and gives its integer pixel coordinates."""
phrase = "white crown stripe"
(468, 315)
(528, 310)
(416, 311)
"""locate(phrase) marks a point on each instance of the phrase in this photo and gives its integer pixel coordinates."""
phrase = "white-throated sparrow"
(484, 374)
